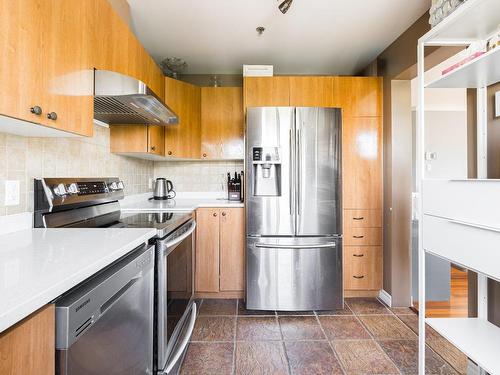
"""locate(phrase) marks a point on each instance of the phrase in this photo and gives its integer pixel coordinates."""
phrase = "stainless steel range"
(94, 203)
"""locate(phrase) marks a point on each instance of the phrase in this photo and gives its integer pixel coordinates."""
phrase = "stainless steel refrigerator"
(293, 209)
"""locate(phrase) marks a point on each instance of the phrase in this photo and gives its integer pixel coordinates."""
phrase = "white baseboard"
(385, 297)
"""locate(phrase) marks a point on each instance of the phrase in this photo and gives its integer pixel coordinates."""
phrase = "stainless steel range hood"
(120, 99)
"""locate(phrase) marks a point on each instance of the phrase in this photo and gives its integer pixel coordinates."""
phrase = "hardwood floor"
(456, 307)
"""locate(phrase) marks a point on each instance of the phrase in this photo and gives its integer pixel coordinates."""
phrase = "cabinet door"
(21, 45)
(267, 91)
(312, 92)
(359, 96)
(362, 162)
(29, 346)
(128, 138)
(207, 250)
(232, 249)
(222, 123)
(67, 66)
(184, 139)
(156, 139)
(363, 267)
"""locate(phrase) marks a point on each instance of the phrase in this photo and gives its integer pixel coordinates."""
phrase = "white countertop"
(180, 203)
(38, 265)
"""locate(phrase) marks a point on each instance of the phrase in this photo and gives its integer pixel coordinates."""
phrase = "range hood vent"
(120, 99)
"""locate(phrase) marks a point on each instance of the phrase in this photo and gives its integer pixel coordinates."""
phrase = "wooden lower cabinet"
(232, 249)
(28, 348)
(363, 267)
(363, 252)
(207, 250)
(220, 251)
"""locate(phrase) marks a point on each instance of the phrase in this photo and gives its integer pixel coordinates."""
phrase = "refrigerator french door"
(294, 221)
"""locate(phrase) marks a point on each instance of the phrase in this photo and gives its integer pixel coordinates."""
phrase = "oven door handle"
(185, 341)
(169, 245)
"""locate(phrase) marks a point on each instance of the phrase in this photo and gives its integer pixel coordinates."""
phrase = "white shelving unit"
(477, 338)
(467, 233)
(481, 72)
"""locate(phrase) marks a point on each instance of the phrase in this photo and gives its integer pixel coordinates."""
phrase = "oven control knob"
(73, 188)
(60, 190)
(113, 186)
(121, 186)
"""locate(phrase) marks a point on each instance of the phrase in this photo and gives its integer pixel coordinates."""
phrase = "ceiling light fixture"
(284, 6)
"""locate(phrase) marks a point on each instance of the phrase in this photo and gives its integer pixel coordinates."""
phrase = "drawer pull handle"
(358, 236)
(359, 277)
(358, 218)
(358, 255)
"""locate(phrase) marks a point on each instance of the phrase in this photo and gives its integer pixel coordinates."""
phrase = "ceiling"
(314, 37)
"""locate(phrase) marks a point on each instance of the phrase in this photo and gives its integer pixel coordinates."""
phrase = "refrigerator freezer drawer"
(294, 274)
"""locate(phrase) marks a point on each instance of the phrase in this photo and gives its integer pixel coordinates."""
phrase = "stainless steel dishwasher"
(105, 325)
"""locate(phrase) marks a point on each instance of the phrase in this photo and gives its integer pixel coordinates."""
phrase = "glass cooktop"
(164, 222)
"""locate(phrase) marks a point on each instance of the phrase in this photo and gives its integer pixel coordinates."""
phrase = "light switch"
(12, 192)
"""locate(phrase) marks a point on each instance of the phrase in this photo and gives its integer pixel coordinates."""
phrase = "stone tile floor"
(363, 338)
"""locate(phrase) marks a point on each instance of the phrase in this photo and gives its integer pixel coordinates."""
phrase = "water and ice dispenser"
(266, 171)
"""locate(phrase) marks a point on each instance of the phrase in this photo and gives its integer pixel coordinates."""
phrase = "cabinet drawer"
(363, 267)
(362, 236)
(363, 218)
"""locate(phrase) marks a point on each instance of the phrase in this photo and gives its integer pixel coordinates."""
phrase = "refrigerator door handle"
(316, 246)
(299, 172)
(291, 179)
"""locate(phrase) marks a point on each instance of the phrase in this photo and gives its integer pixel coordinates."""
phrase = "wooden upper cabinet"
(68, 66)
(362, 162)
(313, 92)
(207, 250)
(137, 139)
(21, 46)
(222, 123)
(184, 139)
(232, 249)
(156, 139)
(29, 346)
(45, 54)
(266, 91)
(359, 96)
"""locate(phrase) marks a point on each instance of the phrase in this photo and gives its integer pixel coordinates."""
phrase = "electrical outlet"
(12, 192)
(151, 183)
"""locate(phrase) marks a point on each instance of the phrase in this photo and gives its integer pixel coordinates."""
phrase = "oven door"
(175, 310)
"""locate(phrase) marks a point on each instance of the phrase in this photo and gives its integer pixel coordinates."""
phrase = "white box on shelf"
(258, 70)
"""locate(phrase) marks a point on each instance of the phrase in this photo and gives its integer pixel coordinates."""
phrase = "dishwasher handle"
(184, 343)
(115, 297)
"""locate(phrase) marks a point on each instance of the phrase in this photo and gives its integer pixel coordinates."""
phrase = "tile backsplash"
(23, 158)
(197, 176)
